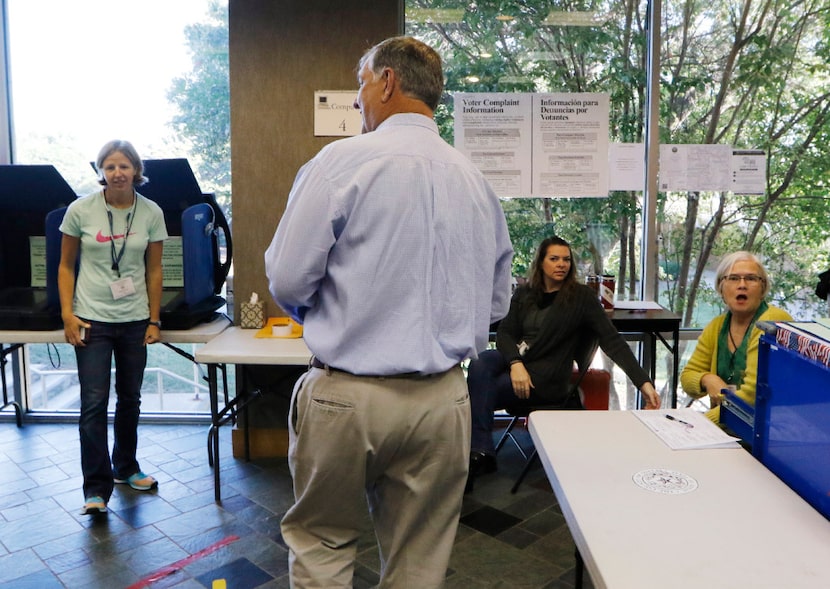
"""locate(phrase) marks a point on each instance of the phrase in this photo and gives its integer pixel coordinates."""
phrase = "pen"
(673, 418)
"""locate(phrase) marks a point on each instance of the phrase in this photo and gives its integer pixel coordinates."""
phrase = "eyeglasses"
(748, 278)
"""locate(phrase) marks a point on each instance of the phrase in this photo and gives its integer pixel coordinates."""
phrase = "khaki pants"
(399, 444)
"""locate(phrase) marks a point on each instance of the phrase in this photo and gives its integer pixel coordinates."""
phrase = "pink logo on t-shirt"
(101, 238)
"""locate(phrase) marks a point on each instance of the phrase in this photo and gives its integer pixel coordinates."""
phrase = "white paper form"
(695, 167)
(749, 171)
(627, 166)
(686, 429)
(494, 130)
(570, 144)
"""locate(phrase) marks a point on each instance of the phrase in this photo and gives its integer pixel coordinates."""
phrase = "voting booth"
(198, 255)
(789, 426)
(28, 193)
(33, 201)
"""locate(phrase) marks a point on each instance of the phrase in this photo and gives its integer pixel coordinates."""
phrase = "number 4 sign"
(335, 114)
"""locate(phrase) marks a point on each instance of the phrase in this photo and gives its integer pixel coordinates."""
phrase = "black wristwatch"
(156, 323)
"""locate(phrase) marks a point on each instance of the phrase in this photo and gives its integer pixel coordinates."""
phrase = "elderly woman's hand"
(713, 385)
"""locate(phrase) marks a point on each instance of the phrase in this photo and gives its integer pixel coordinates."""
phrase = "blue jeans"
(488, 380)
(125, 343)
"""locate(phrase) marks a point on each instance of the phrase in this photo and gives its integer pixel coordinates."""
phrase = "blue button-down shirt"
(393, 251)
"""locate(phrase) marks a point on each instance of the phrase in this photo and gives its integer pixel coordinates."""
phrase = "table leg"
(648, 359)
(579, 569)
(652, 357)
(213, 433)
(674, 349)
(675, 352)
(210, 446)
(224, 370)
(18, 410)
(245, 416)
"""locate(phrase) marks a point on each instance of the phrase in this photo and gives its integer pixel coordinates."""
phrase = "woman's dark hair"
(536, 278)
(125, 147)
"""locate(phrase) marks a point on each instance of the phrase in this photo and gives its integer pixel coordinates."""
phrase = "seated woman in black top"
(536, 346)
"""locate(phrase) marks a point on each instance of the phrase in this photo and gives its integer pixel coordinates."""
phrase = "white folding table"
(643, 515)
(12, 340)
(241, 346)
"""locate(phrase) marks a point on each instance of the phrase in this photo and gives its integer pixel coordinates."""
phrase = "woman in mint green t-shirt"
(111, 311)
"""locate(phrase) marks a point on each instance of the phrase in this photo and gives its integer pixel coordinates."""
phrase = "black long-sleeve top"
(558, 329)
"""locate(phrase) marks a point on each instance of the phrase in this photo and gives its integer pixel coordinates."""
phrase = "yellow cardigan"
(704, 360)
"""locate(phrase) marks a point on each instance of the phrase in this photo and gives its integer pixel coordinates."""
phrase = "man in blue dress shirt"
(394, 253)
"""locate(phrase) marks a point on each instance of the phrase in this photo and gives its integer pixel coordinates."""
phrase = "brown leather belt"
(315, 363)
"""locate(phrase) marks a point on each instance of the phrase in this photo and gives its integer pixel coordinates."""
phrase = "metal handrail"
(159, 372)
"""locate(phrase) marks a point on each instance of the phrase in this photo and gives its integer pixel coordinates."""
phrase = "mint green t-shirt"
(86, 218)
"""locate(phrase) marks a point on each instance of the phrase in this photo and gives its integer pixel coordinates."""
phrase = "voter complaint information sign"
(536, 144)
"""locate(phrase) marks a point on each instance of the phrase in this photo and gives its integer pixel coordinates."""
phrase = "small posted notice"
(37, 260)
(335, 114)
(172, 268)
(749, 171)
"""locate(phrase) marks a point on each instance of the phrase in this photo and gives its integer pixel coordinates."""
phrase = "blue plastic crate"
(792, 421)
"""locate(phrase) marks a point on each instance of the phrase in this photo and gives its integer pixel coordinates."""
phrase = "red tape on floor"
(176, 566)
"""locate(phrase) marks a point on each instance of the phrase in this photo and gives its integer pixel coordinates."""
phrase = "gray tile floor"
(179, 537)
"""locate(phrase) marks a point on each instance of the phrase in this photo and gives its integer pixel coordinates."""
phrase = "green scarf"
(732, 365)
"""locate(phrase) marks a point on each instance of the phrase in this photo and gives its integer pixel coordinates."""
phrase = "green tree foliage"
(203, 101)
(751, 74)
(59, 150)
(512, 46)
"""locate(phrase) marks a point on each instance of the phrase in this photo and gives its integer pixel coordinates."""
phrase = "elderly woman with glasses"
(726, 354)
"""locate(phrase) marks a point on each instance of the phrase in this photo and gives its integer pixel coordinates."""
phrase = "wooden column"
(281, 52)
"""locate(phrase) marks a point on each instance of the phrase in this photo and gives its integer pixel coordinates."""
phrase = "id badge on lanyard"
(123, 286)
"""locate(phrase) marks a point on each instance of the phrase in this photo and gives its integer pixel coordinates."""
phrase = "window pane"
(172, 383)
(85, 72)
(545, 47)
(729, 75)
(154, 73)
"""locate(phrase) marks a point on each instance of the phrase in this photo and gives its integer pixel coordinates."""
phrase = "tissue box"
(252, 315)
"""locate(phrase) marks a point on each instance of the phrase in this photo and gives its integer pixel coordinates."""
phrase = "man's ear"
(389, 83)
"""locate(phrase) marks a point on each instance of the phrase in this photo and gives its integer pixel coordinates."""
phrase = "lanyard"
(116, 259)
